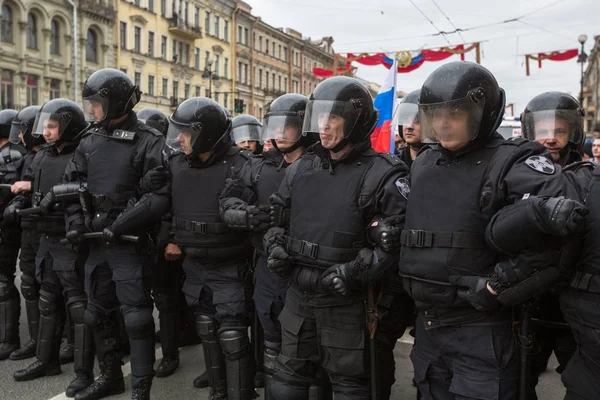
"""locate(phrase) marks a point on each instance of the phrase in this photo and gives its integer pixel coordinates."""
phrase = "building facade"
(591, 89)
(37, 48)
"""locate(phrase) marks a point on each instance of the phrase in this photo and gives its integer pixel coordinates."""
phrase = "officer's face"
(331, 130)
(96, 110)
(21, 138)
(451, 128)
(267, 145)
(290, 135)
(51, 133)
(553, 134)
(249, 145)
(412, 133)
(185, 142)
(596, 148)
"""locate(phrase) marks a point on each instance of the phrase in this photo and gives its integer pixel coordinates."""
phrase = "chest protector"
(195, 202)
(326, 224)
(11, 162)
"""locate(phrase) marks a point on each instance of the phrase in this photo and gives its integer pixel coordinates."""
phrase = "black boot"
(33, 318)
(167, 366)
(201, 381)
(10, 311)
(141, 390)
(37, 370)
(84, 360)
(109, 383)
(68, 350)
(219, 392)
(168, 341)
(67, 353)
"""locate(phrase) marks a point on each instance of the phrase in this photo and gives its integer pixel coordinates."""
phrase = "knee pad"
(206, 327)
(7, 291)
(29, 288)
(235, 343)
(47, 306)
(139, 323)
(77, 311)
(90, 318)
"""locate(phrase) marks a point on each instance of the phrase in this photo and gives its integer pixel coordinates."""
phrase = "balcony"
(178, 26)
(96, 10)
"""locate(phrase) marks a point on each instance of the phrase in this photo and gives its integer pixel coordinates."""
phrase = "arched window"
(54, 37)
(91, 49)
(31, 31)
(6, 28)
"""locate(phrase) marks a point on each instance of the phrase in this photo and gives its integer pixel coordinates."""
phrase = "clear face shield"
(181, 138)
(562, 126)
(246, 133)
(16, 132)
(284, 129)
(451, 121)
(50, 125)
(332, 120)
(94, 108)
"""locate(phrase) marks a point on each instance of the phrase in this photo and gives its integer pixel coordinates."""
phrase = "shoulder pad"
(234, 150)
(517, 140)
(390, 158)
(576, 166)
(145, 128)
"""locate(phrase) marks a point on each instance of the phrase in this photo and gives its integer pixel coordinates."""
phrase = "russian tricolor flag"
(382, 138)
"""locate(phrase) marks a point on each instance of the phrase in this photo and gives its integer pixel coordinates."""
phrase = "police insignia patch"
(540, 164)
(403, 187)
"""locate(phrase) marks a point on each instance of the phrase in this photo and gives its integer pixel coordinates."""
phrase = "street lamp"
(582, 60)
(212, 75)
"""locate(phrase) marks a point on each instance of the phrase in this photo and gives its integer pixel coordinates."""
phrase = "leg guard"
(207, 328)
(10, 311)
(105, 329)
(269, 362)
(140, 329)
(52, 320)
(83, 340)
(30, 292)
(239, 362)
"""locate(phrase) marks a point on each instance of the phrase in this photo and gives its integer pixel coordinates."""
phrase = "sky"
(389, 26)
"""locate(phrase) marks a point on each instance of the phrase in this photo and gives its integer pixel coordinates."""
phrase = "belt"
(316, 251)
(110, 201)
(201, 228)
(463, 240)
(586, 281)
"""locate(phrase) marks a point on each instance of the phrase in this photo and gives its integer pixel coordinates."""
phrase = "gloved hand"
(47, 203)
(339, 279)
(566, 216)
(154, 179)
(386, 233)
(258, 218)
(10, 213)
(110, 236)
(473, 289)
(278, 261)
(75, 236)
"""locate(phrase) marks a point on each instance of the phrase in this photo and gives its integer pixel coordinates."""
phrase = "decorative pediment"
(138, 19)
(218, 49)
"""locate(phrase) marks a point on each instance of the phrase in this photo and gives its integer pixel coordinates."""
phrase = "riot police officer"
(60, 122)
(245, 205)
(13, 158)
(332, 193)
(456, 188)
(246, 133)
(554, 119)
(113, 159)
(406, 117)
(215, 258)
(154, 118)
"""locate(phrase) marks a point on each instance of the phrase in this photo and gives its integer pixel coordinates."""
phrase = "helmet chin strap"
(288, 150)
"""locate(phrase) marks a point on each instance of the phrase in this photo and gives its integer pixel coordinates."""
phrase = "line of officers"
(478, 241)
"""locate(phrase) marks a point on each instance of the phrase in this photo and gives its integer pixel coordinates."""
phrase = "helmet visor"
(246, 133)
(282, 127)
(16, 132)
(94, 108)
(560, 125)
(455, 120)
(53, 124)
(406, 114)
(330, 117)
(181, 138)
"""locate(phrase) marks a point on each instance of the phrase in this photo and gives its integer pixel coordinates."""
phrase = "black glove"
(385, 233)
(258, 218)
(338, 279)
(565, 215)
(10, 213)
(154, 179)
(75, 236)
(47, 203)
(473, 289)
(109, 236)
(279, 262)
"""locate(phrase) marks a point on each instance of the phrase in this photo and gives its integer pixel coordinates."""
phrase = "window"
(239, 71)
(206, 58)
(32, 90)
(246, 36)
(273, 53)
(137, 3)
(6, 31)
(304, 91)
(260, 43)
(186, 91)
(207, 93)
(54, 89)
(6, 87)
(176, 89)
(196, 17)
(180, 54)
(91, 47)
(123, 70)
(226, 100)
(239, 34)
(267, 80)
(279, 83)
(296, 59)
(217, 96)
(216, 31)
(246, 74)
(186, 55)
(226, 31)
(285, 84)
(151, 85)
(163, 8)
(226, 68)
(186, 12)
(137, 36)
(207, 23)
(151, 5)
(260, 78)
(217, 58)
(165, 87)
(279, 55)
(295, 86)
(54, 37)
(137, 79)
(31, 32)
(197, 91)
(197, 59)
(285, 54)
(123, 35)
(273, 87)
(174, 53)
(267, 41)
(163, 47)
(150, 44)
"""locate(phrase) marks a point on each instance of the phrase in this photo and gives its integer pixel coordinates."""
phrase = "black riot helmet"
(343, 97)
(113, 91)
(244, 128)
(407, 111)
(22, 127)
(552, 114)
(154, 118)
(6, 118)
(460, 96)
(198, 125)
(62, 114)
(284, 120)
